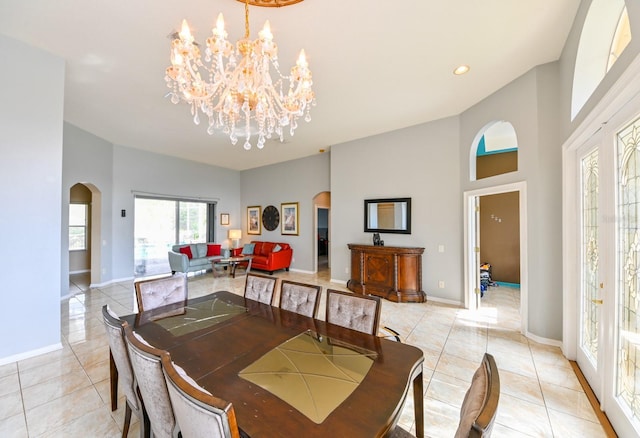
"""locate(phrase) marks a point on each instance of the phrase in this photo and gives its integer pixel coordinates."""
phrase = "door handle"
(596, 301)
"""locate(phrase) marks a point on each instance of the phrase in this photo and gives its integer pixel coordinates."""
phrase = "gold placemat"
(314, 374)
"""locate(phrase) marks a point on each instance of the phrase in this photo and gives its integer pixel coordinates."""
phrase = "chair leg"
(127, 421)
(113, 374)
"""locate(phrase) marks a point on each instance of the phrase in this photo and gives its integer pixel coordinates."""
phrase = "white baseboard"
(342, 282)
(302, 271)
(30, 354)
(107, 283)
(81, 271)
(545, 341)
(445, 301)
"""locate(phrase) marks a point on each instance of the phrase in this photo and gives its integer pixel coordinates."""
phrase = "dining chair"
(355, 311)
(480, 404)
(300, 297)
(120, 357)
(156, 292)
(197, 412)
(147, 370)
(260, 288)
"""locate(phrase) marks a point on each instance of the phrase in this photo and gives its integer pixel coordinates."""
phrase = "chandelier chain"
(246, 18)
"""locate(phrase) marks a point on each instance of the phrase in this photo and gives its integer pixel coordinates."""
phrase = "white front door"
(608, 270)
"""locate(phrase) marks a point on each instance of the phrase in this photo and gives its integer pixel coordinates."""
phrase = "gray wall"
(530, 103)
(31, 111)
(88, 159)
(420, 162)
(140, 171)
(293, 181)
(117, 172)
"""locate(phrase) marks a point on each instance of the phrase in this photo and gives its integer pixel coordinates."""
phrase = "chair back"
(300, 297)
(198, 413)
(480, 405)
(354, 311)
(118, 347)
(157, 292)
(147, 369)
(260, 288)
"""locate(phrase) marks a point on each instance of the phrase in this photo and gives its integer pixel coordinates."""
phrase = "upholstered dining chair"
(156, 292)
(300, 297)
(147, 370)
(197, 412)
(260, 288)
(354, 311)
(120, 356)
(480, 404)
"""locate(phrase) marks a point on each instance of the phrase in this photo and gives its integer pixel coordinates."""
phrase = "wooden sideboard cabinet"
(390, 272)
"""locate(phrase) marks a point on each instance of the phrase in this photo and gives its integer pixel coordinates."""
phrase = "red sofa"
(265, 259)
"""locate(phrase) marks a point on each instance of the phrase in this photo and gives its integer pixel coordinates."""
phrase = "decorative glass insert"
(628, 220)
(589, 253)
(312, 373)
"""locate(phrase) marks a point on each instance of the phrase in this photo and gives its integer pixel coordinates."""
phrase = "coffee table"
(231, 263)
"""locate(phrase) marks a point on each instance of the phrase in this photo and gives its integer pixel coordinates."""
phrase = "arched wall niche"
(494, 151)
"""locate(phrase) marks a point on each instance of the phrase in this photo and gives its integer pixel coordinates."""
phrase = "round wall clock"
(270, 218)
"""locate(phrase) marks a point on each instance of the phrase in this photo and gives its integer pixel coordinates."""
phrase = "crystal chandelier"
(233, 86)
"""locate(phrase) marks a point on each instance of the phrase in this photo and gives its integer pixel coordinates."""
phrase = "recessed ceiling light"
(460, 70)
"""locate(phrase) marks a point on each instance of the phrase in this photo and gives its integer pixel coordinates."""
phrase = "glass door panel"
(590, 230)
(627, 332)
(154, 233)
(589, 314)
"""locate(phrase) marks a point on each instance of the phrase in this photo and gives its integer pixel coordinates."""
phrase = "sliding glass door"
(161, 223)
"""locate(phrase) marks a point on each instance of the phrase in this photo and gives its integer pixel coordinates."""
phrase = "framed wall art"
(253, 220)
(289, 218)
(224, 218)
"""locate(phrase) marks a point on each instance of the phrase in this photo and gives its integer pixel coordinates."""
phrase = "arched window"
(605, 34)
(497, 150)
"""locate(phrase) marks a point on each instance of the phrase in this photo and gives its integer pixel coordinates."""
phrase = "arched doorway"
(85, 234)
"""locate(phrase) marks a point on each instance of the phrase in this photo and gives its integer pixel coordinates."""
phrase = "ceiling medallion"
(232, 85)
(271, 3)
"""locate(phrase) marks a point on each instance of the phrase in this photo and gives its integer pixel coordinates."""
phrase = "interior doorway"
(322, 232)
(472, 238)
(85, 248)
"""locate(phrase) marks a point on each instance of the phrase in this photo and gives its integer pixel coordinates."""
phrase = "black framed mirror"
(391, 215)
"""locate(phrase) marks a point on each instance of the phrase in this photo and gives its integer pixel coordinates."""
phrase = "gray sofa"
(181, 262)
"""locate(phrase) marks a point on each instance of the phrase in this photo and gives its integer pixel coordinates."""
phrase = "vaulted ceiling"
(377, 65)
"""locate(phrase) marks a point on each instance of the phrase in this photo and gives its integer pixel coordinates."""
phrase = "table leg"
(418, 401)
(233, 270)
(113, 374)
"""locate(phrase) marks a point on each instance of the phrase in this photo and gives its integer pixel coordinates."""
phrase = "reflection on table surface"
(181, 319)
(312, 373)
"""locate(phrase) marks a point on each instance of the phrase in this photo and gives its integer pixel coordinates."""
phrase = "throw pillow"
(248, 248)
(277, 248)
(213, 250)
(186, 250)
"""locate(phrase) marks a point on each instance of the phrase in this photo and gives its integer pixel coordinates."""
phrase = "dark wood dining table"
(215, 337)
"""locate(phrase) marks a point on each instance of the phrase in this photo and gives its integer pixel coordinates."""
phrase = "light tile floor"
(66, 393)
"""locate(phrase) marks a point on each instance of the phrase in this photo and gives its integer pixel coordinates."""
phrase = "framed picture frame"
(254, 219)
(224, 218)
(289, 222)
